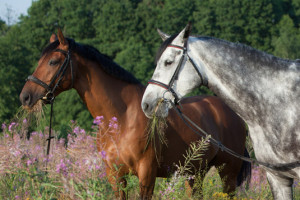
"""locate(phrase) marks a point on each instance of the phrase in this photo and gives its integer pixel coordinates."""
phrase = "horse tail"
(245, 172)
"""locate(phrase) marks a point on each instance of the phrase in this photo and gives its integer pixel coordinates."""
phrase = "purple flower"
(29, 162)
(17, 153)
(82, 131)
(3, 126)
(76, 130)
(25, 121)
(11, 126)
(295, 183)
(38, 148)
(113, 123)
(103, 155)
(98, 120)
(62, 168)
(34, 133)
(97, 167)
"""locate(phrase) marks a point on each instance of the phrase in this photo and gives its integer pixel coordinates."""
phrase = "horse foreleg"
(117, 183)
(229, 179)
(147, 176)
(281, 186)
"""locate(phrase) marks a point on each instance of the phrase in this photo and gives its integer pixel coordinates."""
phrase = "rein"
(49, 96)
(189, 122)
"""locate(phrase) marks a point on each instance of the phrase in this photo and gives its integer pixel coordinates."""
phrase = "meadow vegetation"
(75, 169)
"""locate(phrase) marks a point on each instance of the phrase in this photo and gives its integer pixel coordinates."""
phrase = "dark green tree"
(287, 44)
(3, 27)
(126, 31)
(14, 66)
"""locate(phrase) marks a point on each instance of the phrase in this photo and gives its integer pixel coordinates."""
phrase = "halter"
(49, 96)
(168, 86)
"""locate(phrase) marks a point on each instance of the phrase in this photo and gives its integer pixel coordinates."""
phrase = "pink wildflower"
(76, 130)
(3, 126)
(113, 123)
(103, 155)
(62, 168)
(10, 127)
(98, 120)
(29, 162)
(82, 131)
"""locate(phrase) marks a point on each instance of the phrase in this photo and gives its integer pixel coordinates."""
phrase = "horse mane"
(259, 58)
(91, 53)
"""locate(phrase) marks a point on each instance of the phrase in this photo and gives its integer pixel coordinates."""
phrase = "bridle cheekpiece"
(51, 87)
(168, 87)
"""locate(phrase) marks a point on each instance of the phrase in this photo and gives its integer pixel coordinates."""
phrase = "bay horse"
(261, 88)
(110, 91)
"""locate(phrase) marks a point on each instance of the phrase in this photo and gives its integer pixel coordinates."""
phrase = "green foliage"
(27, 184)
(126, 31)
(3, 27)
(14, 57)
(286, 44)
(248, 22)
(76, 110)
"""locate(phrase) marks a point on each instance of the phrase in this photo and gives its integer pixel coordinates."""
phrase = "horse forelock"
(91, 53)
(52, 46)
(163, 47)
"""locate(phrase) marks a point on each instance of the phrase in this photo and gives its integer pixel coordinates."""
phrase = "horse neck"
(105, 95)
(241, 76)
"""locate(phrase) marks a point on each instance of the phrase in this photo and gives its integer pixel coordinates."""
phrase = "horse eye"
(53, 62)
(168, 62)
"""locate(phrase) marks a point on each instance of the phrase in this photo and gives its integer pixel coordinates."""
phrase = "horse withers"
(263, 89)
(110, 91)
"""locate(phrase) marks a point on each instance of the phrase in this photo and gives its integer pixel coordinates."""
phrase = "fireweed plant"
(76, 170)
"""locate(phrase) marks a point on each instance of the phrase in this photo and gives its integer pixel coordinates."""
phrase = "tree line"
(126, 31)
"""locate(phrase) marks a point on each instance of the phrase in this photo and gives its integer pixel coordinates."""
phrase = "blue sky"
(17, 8)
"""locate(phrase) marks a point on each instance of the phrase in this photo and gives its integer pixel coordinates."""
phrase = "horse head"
(173, 77)
(53, 75)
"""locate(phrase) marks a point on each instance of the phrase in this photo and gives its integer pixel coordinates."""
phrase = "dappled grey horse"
(263, 89)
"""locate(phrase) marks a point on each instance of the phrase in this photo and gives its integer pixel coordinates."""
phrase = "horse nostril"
(145, 106)
(25, 99)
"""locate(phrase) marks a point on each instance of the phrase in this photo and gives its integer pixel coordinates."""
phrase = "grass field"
(75, 170)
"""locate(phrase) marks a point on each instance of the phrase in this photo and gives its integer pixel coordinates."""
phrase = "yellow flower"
(221, 195)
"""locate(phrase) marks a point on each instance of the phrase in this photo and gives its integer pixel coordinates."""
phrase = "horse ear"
(185, 33)
(163, 35)
(61, 38)
(53, 37)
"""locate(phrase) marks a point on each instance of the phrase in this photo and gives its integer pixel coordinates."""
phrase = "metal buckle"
(49, 97)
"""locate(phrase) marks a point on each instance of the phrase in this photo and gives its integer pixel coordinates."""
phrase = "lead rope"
(50, 136)
(276, 167)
